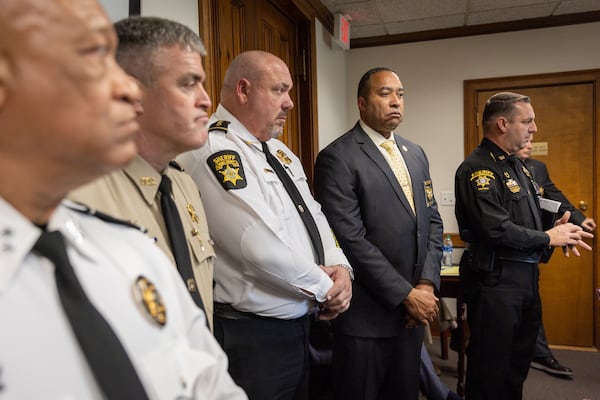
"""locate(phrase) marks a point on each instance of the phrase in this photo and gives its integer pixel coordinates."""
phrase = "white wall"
(182, 11)
(116, 9)
(433, 73)
(331, 87)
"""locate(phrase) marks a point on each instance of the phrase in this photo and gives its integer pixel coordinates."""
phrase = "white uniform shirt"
(40, 357)
(264, 253)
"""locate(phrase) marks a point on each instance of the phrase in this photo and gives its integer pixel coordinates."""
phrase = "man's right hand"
(568, 236)
(338, 297)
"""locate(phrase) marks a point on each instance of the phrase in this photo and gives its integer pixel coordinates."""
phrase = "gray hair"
(141, 37)
(501, 104)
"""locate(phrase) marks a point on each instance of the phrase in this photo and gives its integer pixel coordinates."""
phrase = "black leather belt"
(227, 311)
(532, 257)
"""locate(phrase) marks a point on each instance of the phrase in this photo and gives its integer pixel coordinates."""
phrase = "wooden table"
(451, 287)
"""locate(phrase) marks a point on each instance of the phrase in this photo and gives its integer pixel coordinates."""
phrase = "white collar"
(18, 236)
(375, 136)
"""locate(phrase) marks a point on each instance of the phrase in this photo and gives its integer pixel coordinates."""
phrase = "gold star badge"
(231, 175)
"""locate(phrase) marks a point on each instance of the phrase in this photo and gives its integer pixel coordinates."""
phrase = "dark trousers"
(504, 315)
(377, 368)
(432, 386)
(268, 357)
(541, 345)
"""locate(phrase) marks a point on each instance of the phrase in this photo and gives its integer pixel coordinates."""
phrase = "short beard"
(276, 132)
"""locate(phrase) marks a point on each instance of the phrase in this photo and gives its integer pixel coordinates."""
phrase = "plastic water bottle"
(447, 251)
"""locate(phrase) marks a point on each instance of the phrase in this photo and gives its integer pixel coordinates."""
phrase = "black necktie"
(527, 184)
(178, 240)
(292, 190)
(105, 354)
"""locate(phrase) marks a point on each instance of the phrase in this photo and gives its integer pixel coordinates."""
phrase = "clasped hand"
(421, 305)
(338, 297)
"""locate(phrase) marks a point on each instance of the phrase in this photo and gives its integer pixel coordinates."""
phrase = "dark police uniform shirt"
(492, 205)
(548, 190)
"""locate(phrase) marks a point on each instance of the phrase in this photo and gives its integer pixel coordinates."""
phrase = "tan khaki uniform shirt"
(131, 194)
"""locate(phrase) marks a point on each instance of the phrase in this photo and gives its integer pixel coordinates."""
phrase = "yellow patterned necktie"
(400, 170)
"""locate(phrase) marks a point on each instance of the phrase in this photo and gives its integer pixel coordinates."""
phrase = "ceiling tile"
(425, 24)
(400, 10)
(485, 5)
(577, 6)
(366, 31)
(361, 13)
(510, 14)
(382, 17)
(330, 3)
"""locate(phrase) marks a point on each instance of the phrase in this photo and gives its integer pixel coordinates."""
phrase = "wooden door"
(566, 116)
(276, 34)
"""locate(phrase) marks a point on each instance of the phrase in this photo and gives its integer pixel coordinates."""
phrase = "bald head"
(256, 90)
(250, 65)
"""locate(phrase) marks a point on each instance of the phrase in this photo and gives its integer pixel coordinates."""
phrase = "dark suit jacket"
(389, 248)
(549, 190)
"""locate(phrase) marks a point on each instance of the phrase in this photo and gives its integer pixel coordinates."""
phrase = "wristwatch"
(349, 269)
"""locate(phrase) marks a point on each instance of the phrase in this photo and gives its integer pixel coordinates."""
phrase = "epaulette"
(176, 165)
(219, 125)
(83, 209)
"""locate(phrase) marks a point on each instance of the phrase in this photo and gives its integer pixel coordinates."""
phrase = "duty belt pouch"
(546, 254)
(548, 220)
(479, 258)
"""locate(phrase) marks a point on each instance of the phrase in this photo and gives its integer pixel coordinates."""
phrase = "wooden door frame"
(471, 140)
(304, 13)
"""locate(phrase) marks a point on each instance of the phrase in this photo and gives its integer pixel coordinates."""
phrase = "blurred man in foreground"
(89, 309)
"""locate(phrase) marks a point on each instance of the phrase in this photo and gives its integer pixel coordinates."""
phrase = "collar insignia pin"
(148, 181)
(190, 209)
(283, 157)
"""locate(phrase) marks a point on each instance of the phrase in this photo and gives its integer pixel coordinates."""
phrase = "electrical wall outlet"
(448, 198)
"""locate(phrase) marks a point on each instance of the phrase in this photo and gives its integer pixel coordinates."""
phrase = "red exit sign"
(341, 32)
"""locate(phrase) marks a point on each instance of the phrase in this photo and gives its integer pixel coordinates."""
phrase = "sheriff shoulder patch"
(428, 188)
(482, 179)
(228, 169)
